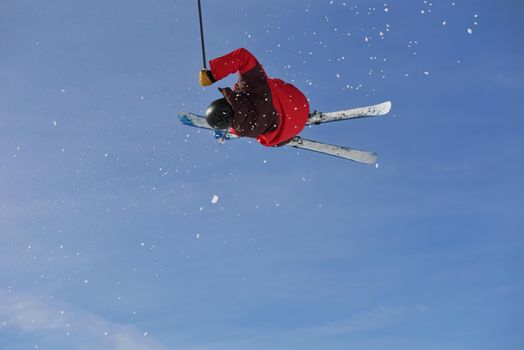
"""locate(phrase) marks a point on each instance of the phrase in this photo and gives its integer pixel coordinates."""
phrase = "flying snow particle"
(214, 200)
(198, 235)
(470, 31)
(426, 73)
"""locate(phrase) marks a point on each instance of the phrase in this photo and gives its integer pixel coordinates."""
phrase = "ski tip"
(387, 107)
(365, 157)
(369, 158)
(184, 118)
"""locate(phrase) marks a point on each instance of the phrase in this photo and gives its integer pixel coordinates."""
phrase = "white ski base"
(362, 112)
(334, 150)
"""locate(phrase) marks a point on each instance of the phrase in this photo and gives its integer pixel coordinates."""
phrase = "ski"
(334, 150)
(197, 121)
(380, 109)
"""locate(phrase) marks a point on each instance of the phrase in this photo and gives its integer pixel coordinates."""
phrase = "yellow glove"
(206, 77)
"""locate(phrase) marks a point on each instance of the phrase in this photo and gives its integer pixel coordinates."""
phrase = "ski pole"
(202, 35)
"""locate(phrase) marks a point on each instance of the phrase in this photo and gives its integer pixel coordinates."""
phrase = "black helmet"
(219, 114)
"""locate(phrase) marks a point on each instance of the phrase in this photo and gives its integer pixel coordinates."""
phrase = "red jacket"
(268, 109)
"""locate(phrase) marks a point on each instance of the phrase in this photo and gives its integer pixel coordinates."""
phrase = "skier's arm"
(239, 60)
(245, 119)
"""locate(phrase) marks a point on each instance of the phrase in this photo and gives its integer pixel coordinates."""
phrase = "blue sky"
(108, 235)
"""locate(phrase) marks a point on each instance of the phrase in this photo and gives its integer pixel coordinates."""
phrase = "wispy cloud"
(45, 318)
(374, 319)
(509, 81)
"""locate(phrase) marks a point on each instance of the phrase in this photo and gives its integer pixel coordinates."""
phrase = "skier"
(268, 109)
